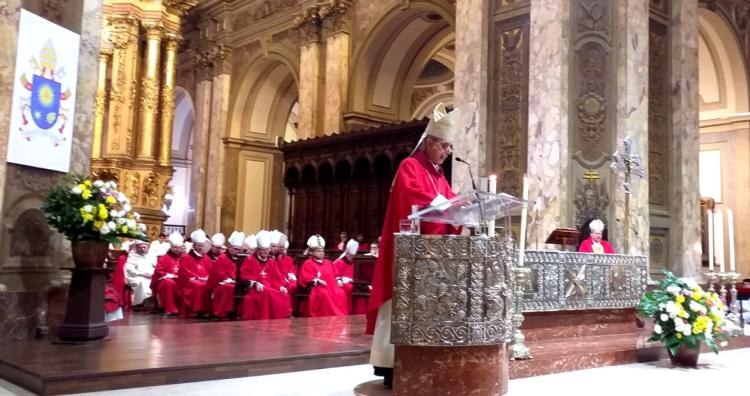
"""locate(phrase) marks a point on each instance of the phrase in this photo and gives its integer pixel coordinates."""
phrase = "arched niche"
(183, 125)
(308, 175)
(343, 171)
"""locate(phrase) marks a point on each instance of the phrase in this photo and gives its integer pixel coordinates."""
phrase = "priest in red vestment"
(594, 243)
(345, 271)
(251, 243)
(118, 277)
(164, 281)
(193, 276)
(319, 273)
(223, 276)
(418, 181)
(285, 263)
(218, 246)
(267, 297)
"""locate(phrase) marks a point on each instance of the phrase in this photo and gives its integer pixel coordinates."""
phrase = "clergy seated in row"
(223, 276)
(279, 244)
(192, 277)
(164, 282)
(139, 268)
(318, 273)
(594, 243)
(345, 271)
(267, 297)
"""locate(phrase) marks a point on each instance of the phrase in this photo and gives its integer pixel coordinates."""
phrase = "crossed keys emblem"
(576, 280)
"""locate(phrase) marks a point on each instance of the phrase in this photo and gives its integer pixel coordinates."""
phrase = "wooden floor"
(147, 350)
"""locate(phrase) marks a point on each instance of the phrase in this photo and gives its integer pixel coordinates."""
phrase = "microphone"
(474, 186)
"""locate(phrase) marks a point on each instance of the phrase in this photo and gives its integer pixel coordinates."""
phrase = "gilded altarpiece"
(509, 98)
(592, 101)
(659, 132)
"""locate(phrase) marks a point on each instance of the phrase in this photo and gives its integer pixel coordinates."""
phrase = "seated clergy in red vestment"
(223, 275)
(345, 271)
(419, 181)
(594, 243)
(319, 273)
(193, 276)
(285, 263)
(217, 246)
(267, 297)
(164, 282)
(251, 243)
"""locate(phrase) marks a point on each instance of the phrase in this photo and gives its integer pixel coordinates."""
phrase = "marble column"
(202, 104)
(471, 81)
(685, 232)
(309, 74)
(631, 54)
(171, 42)
(8, 43)
(336, 17)
(217, 132)
(548, 145)
(149, 95)
(101, 102)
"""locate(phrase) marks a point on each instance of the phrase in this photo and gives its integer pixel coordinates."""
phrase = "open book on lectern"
(470, 208)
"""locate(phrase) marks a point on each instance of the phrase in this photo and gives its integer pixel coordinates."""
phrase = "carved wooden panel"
(510, 104)
(659, 114)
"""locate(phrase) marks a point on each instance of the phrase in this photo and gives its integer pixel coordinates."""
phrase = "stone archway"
(387, 74)
(182, 155)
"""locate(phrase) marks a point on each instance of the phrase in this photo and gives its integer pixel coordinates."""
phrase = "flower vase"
(89, 253)
(685, 356)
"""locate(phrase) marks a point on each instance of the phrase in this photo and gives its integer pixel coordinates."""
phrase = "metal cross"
(628, 163)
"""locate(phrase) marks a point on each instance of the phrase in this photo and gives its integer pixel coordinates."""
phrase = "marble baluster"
(548, 145)
(685, 233)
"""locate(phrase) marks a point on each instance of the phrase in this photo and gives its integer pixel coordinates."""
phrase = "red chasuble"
(417, 183)
(587, 246)
(271, 303)
(118, 278)
(223, 269)
(192, 280)
(165, 289)
(286, 266)
(328, 300)
(345, 269)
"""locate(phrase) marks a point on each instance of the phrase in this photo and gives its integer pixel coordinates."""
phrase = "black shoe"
(387, 374)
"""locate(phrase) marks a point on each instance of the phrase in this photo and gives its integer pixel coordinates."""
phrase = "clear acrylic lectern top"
(470, 209)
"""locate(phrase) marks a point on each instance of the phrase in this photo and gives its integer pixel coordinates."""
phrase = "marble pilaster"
(309, 90)
(548, 145)
(472, 73)
(685, 233)
(337, 82)
(631, 54)
(8, 41)
(215, 157)
(200, 153)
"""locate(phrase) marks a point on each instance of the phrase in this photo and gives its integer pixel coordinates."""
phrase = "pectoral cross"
(263, 272)
(318, 274)
(628, 163)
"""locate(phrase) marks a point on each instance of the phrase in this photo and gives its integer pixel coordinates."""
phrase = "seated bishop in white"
(139, 268)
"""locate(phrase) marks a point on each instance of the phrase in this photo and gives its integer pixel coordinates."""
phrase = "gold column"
(167, 99)
(121, 120)
(101, 102)
(149, 94)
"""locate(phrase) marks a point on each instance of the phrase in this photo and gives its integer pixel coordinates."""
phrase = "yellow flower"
(103, 214)
(697, 296)
(98, 224)
(87, 183)
(682, 313)
(679, 336)
(111, 200)
(679, 299)
(86, 194)
(124, 228)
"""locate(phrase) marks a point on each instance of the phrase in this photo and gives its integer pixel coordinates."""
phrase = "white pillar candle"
(524, 215)
(492, 189)
(710, 216)
(719, 242)
(730, 230)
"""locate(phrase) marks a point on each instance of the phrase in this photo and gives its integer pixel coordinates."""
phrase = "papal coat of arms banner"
(44, 94)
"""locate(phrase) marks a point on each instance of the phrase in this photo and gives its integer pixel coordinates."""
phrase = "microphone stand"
(476, 195)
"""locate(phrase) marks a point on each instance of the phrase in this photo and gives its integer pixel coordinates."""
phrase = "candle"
(730, 228)
(524, 214)
(719, 242)
(493, 190)
(710, 216)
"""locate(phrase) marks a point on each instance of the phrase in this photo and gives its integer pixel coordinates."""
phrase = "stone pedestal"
(84, 314)
(460, 371)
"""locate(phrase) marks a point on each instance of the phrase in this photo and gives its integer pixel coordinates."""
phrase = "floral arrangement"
(685, 314)
(83, 209)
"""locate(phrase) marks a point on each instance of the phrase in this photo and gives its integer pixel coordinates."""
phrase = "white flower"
(76, 190)
(671, 308)
(131, 224)
(662, 306)
(690, 283)
(126, 208)
(88, 208)
(121, 221)
(687, 331)
(136, 215)
(142, 227)
(114, 213)
(695, 307)
(99, 183)
(664, 317)
(674, 289)
(657, 329)
(104, 230)
(111, 225)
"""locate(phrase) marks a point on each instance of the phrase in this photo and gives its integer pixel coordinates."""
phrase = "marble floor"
(727, 371)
